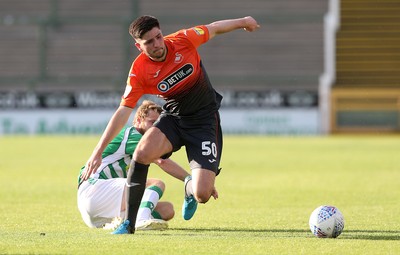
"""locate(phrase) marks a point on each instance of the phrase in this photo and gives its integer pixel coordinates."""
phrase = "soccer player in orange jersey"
(171, 67)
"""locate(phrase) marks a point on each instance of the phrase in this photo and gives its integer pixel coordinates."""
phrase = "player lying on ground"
(101, 198)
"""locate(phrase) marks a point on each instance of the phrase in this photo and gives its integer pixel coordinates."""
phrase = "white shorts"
(100, 202)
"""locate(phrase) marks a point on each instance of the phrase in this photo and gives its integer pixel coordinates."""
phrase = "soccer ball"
(326, 222)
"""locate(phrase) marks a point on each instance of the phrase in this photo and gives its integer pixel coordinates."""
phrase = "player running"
(101, 199)
(171, 67)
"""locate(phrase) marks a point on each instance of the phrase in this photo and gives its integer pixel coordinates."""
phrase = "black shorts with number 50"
(201, 137)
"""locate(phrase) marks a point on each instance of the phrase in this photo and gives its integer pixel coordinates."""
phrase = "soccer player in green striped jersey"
(101, 198)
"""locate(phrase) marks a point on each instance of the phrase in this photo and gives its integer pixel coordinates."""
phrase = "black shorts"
(201, 137)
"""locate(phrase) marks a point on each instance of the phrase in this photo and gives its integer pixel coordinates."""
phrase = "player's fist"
(250, 24)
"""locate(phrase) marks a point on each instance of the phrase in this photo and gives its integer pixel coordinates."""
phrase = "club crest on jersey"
(176, 77)
(178, 57)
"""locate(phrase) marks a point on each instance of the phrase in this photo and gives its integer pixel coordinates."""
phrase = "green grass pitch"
(268, 188)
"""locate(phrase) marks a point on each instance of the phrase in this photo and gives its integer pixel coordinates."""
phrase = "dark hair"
(142, 25)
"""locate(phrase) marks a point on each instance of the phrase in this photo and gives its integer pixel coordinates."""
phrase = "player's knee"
(202, 196)
(160, 184)
(166, 210)
(169, 211)
(202, 184)
(156, 182)
(142, 157)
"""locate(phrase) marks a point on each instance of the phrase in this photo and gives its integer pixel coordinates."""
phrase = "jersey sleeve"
(133, 90)
(197, 35)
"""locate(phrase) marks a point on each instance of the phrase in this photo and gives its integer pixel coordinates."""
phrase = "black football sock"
(135, 186)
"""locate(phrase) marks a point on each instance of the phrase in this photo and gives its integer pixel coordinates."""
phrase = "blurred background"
(314, 67)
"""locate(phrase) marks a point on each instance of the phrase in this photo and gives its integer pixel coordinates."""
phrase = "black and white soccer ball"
(326, 222)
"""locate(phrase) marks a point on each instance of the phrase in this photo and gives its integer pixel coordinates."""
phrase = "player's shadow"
(388, 235)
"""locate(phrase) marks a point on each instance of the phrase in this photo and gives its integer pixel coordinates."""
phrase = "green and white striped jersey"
(117, 156)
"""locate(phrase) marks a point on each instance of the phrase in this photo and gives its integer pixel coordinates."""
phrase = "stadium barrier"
(365, 110)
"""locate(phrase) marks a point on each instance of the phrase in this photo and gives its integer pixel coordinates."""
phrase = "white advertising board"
(271, 121)
(93, 121)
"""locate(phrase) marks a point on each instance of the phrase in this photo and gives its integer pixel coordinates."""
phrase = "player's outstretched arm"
(224, 26)
(116, 123)
(172, 168)
(175, 170)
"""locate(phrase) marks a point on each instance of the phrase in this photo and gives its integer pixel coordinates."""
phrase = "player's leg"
(153, 145)
(152, 194)
(152, 214)
(164, 210)
(199, 187)
(203, 148)
(189, 206)
(100, 201)
(203, 182)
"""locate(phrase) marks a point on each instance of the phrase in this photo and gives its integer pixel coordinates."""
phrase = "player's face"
(152, 44)
(148, 121)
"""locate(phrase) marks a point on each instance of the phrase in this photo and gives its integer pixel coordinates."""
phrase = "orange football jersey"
(180, 79)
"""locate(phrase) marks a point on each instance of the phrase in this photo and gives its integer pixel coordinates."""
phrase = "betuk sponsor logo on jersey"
(176, 77)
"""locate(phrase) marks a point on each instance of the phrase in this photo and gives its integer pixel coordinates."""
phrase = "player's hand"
(251, 24)
(92, 164)
(214, 193)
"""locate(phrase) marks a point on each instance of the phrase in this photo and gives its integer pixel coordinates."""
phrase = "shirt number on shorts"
(208, 148)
